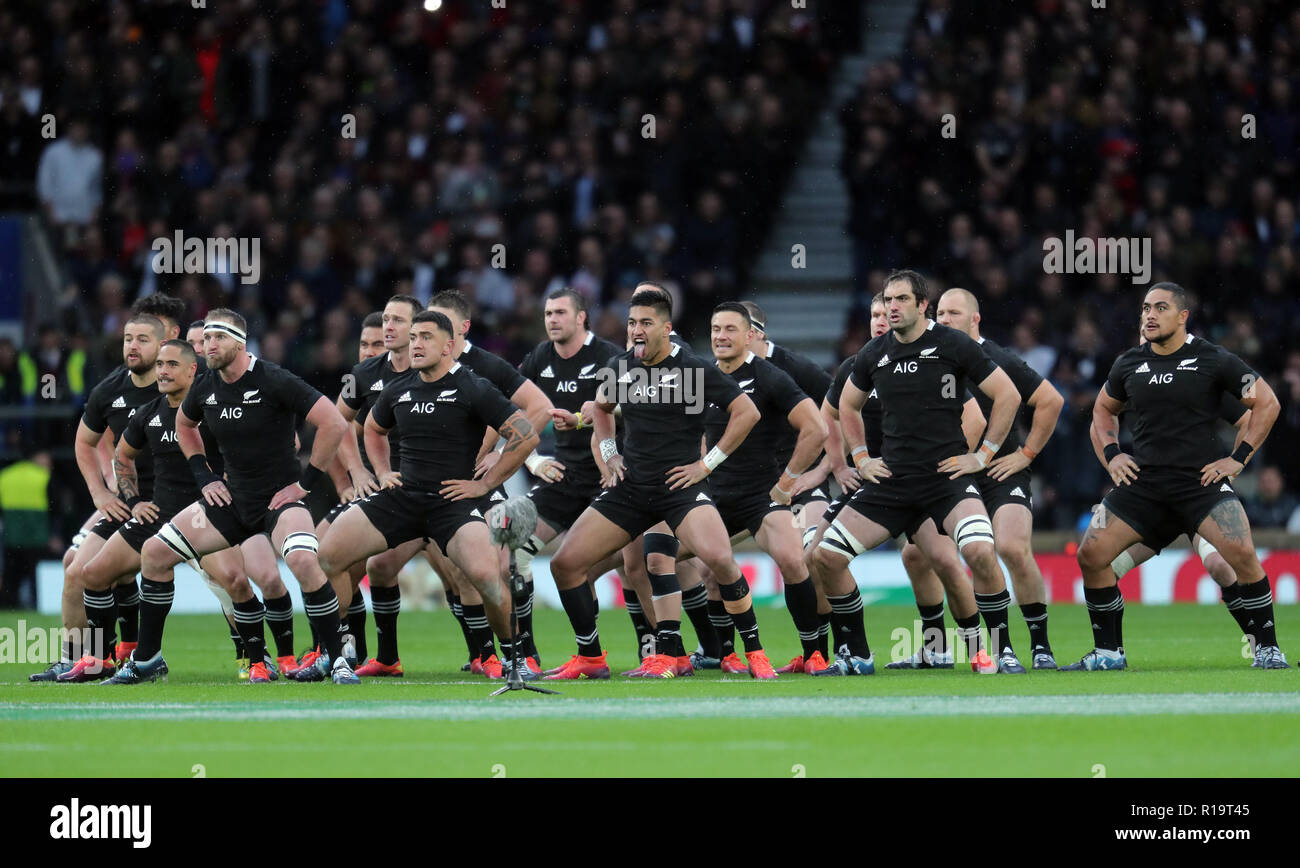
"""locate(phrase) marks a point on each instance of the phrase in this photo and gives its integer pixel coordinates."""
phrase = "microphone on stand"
(511, 524)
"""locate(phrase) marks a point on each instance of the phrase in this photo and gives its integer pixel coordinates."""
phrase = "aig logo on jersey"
(634, 384)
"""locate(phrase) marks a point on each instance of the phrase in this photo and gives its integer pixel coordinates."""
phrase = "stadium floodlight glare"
(432, 5)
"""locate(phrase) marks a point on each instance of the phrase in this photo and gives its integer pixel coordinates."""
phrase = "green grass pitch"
(1189, 706)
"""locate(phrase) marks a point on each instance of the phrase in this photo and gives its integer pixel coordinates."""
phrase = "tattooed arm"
(128, 481)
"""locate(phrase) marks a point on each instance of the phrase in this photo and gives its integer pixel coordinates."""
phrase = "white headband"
(226, 328)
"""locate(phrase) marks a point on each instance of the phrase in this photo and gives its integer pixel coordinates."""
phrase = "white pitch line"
(1134, 704)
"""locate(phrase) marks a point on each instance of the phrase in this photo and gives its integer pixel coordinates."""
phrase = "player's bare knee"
(302, 563)
(914, 559)
(981, 557)
(156, 555)
(1092, 557)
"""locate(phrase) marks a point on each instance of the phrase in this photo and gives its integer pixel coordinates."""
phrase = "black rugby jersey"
(922, 388)
(442, 424)
(870, 408)
(492, 368)
(811, 379)
(253, 420)
(111, 405)
(1174, 401)
(369, 378)
(152, 431)
(1026, 381)
(755, 466)
(568, 384)
(663, 409)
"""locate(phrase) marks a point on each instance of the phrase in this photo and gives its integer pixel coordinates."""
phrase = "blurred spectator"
(70, 177)
(1272, 505)
(25, 508)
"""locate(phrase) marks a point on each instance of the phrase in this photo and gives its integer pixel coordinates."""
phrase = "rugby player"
(1004, 486)
(258, 561)
(368, 380)
(536, 408)
(109, 408)
(566, 368)
(1172, 387)
(662, 390)
(250, 406)
(919, 371)
(442, 412)
(153, 429)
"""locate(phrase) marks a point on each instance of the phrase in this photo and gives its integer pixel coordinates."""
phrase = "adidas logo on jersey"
(120, 403)
(1016, 492)
(1225, 487)
(884, 360)
(929, 351)
(155, 422)
(496, 495)
(378, 386)
(970, 489)
(212, 400)
(1143, 368)
(704, 497)
(406, 396)
(547, 372)
(476, 513)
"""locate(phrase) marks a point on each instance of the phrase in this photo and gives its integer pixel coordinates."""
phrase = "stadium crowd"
(375, 148)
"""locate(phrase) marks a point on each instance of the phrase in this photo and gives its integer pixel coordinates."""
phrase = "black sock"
(968, 631)
(1106, 609)
(1257, 600)
(101, 615)
(322, 607)
(668, 638)
(581, 609)
(72, 647)
(933, 636)
(484, 641)
(248, 620)
(745, 620)
(696, 603)
(723, 628)
(234, 637)
(994, 609)
(524, 614)
(315, 636)
(279, 617)
(357, 623)
(847, 620)
(645, 637)
(128, 610)
(155, 602)
(824, 634)
(801, 600)
(386, 602)
(1232, 599)
(1035, 615)
(458, 609)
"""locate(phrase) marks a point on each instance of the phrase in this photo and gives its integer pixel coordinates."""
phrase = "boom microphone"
(512, 522)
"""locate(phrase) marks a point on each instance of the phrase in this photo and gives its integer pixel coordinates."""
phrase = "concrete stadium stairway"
(806, 307)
